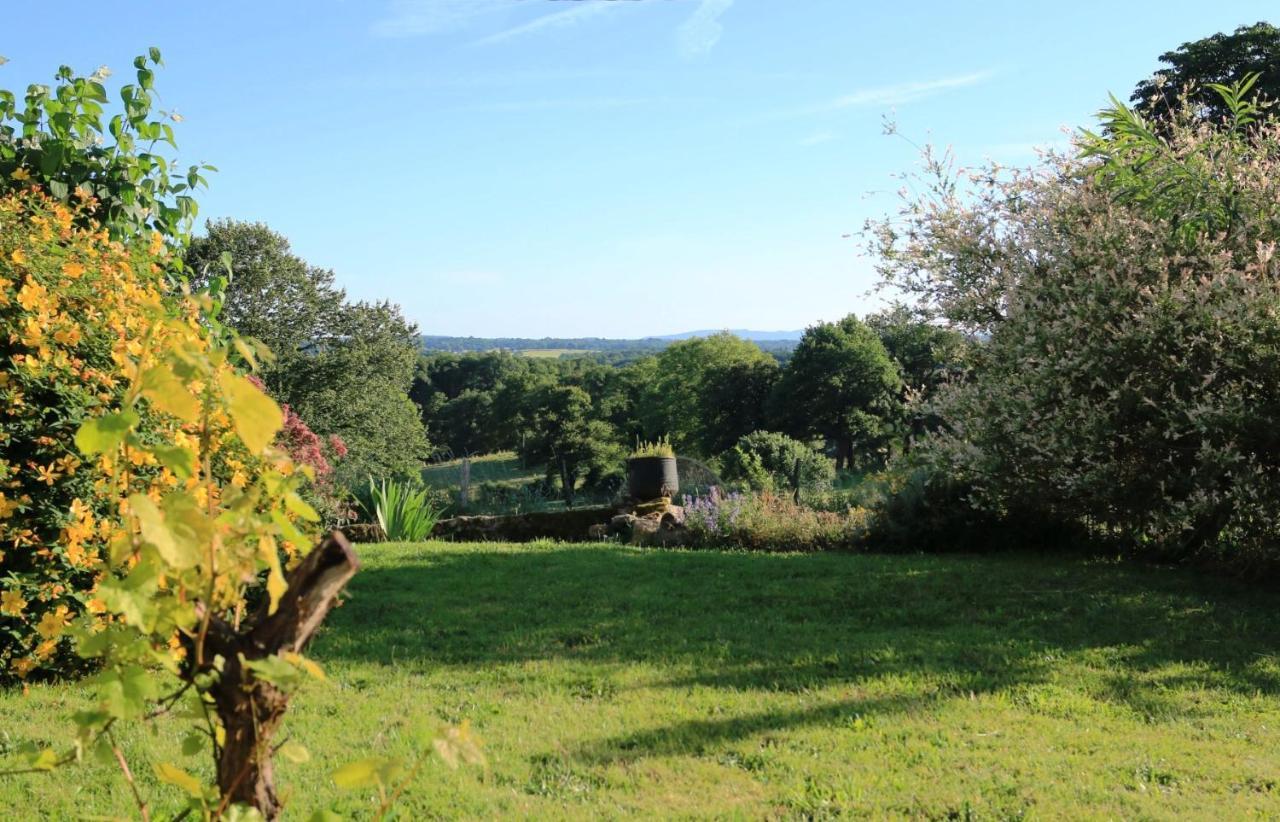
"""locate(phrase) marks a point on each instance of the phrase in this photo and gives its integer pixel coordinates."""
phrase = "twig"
(128, 776)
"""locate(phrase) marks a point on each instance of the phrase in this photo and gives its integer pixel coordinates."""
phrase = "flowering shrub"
(306, 447)
(73, 309)
(1127, 293)
(768, 522)
(84, 319)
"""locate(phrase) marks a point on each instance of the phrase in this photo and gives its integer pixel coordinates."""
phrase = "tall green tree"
(927, 355)
(274, 295)
(734, 403)
(568, 438)
(677, 403)
(840, 384)
(345, 368)
(1222, 59)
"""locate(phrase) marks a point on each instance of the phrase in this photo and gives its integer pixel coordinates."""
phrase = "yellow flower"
(73, 270)
(12, 603)
(20, 174)
(31, 295)
(46, 474)
(52, 623)
(45, 649)
(23, 666)
(18, 257)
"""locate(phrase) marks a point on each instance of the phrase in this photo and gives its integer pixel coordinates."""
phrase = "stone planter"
(650, 478)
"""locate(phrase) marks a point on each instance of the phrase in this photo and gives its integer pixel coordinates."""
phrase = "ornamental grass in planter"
(652, 472)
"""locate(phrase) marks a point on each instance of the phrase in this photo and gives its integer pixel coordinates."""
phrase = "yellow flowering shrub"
(137, 475)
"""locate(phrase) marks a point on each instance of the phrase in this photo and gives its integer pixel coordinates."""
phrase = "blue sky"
(602, 167)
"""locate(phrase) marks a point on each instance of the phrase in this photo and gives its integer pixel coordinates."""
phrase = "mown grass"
(608, 681)
(502, 467)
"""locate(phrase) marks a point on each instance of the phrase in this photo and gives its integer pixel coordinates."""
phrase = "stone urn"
(652, 477)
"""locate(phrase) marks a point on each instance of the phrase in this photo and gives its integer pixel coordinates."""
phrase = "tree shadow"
(961, 624)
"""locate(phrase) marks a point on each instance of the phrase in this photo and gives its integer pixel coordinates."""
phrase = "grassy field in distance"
(551, 353)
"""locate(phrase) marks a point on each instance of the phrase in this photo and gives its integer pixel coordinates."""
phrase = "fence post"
(464, 484)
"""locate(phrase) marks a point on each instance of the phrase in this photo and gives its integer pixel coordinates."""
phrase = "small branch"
(128, 776)
(167, 703)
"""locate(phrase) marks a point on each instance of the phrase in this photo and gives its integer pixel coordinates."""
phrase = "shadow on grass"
(960, 624)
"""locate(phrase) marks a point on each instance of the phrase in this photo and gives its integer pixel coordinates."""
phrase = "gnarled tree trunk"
(249, 708)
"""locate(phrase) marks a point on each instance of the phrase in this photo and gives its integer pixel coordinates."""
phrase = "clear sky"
(602, 167)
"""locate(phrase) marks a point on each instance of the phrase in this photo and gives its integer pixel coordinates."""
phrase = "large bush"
(1130, 297)
(87, 326)
(73, 306)
(767, 461)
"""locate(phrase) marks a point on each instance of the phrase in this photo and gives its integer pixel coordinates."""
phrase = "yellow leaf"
(305, 664)
(362, 773)
(45, 760)
(176, 776)
(276, 584)
(294, 752)
(256, 416)
(169, 394)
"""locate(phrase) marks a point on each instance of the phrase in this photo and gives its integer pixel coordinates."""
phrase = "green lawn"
(502, 467)
(607, 681)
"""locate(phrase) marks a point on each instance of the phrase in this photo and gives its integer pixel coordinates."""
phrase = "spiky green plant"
(660, 447)
(402, 511)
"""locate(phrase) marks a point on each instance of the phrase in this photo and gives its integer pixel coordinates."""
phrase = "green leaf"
(42, 760)
(301, 507)
(131, 598)
(173, 775)
(277, 671)
(179, 460)
(180, 547)
(101, 434)
(193, 743)
(256, 416)
(125, 691)
(190, 527)
(324, 816)
(240, 812)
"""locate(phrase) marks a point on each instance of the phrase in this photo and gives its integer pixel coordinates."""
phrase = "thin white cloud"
(817, 138)
(893, 95)
(568, 103)
(413, 18)
(579, 11)
(700, 33)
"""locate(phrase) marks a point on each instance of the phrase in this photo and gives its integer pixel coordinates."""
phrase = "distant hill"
(744, 333)
(778, 343)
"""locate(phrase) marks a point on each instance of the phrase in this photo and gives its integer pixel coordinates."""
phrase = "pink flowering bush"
(307, 448)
